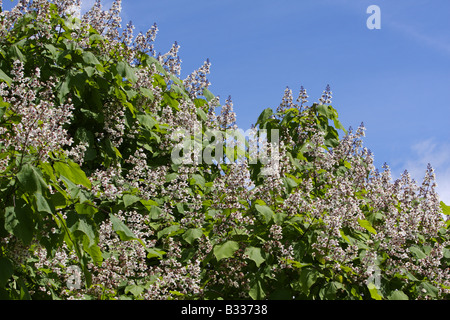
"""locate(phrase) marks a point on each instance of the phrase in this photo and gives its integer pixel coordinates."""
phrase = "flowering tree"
(118, 181)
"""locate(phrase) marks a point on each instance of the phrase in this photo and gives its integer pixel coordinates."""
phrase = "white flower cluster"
(41, 127)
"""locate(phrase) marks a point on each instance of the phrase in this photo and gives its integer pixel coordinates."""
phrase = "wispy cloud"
(437, 42)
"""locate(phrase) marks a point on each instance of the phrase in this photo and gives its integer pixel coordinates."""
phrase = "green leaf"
(297, 264)
(256, 290)
(58, 200)
(86, 228)
(42, 204)
(171, 176)
(134, 289)
(329, 290)
(192, 234)
(254, 254)
(198, 180)
(95, 37)
(73, 172)
(5, 77)
(417, 252)
(447, 253)
(131, 94)
(325, 110)
(146, 120)
(126, 71)
(367, 225)
(307, 278)
(155, 212)
(264, 116)
(147, 93)
(129, 199)
(202, 114)
(179, 90)
(90, 58)
(344, 236)
(6, 271)
(445, 209)
(94, 251)
(86, 208)
(89, 71)
(225, 250)
(208, 95)
(169, 230)
(151, 60)
(153, 252)
(24, 293)
(52, 49)
(64, 88)
(266, 212)
(2, 109)
(338, 125)
(289, 184)
(180, 207)
(76, 192)
(398, 295)
(31, 180)
(122, 230)
(428, 289)
(279, 217)
(15, 52)
(374, 292)
(19, 221)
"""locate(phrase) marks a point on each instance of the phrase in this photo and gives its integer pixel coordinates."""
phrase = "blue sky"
(396, 79)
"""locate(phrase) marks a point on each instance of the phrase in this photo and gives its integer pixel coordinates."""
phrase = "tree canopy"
(120, 180)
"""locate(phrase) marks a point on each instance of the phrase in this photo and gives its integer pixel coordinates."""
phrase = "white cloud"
(438, 155)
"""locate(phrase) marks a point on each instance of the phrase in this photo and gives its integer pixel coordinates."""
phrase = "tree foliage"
(93, 205)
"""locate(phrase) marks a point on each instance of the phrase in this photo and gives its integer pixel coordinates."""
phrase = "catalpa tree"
(120, 180)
